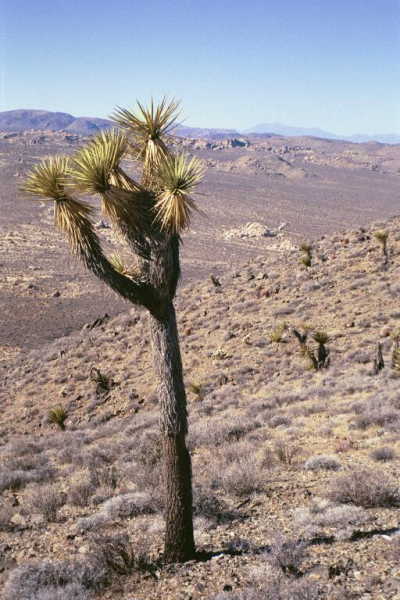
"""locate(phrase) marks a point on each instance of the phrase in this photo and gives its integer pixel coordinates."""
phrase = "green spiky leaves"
(178, 177)
(149, 128)
(48, 178)
(94, 164)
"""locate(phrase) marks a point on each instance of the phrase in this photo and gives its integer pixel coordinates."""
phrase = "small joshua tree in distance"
(306, 259)
(58, 416)
(151, 215)
(382, 238)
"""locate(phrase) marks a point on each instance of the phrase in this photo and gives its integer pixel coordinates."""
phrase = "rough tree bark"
(179, 540)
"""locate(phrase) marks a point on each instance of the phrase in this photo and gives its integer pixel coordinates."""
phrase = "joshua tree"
(382, 238)
(318, 358)
(306, 248)
(150, 215)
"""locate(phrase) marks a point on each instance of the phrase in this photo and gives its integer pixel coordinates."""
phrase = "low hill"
(295, 469)
(23, 120)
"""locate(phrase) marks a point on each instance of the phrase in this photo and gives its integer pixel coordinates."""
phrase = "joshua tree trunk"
(179, 541)
(151, 216)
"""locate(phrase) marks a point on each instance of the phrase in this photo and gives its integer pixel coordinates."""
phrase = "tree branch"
(72, 218)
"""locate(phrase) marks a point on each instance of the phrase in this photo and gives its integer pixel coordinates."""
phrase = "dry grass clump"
(216, 432)
(46, 500)
(278, 420)
(79, 577)
(108, 556)
(365, 487)
(6, 512)
(383, 454)
(17, 479)
(242, 477)
(286, 451)
(377, 413)
(115, 552)
(323, 515)
(287, 555)
(208, 506)
(322, 462)
(270, 583)
(80, 493)
(123, 506)
(71, 591)
(237, 470)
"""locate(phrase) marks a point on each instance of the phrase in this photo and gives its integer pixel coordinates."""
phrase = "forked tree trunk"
(179, 541)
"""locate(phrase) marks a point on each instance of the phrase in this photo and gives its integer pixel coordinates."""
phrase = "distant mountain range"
(287, 131)
(22, 120)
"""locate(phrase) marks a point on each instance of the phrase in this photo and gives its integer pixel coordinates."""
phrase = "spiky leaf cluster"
(178, 177)
(163, 202)
(58, 416)
(93, 165)
(381, 237)
(48, 179)
(148, 129)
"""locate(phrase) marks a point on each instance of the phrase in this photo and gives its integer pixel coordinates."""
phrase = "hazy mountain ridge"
(24, 119)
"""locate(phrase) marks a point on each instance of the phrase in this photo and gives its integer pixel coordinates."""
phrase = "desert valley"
(289, 321)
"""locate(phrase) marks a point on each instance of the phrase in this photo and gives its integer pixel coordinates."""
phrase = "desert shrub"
(206, 504)
(242, 478)
(93, 522)
(322, 462)
(128, 505)
(286, 451)
(322, 515)
(6, 512)
(239, 546)
(216, 432)
(80, 493)
(374, 413)
(115, 552)
(26, 462)
(150, 482)
(28, 581)
(16, 479)
(95, 457)
(123, 506)
(365, 487)
(383, 454)
(103, 476)
(70, 591)
(149, 449)
(22, 447)
(278, 420)
(287, 555)
(269, 583)
(46, 500)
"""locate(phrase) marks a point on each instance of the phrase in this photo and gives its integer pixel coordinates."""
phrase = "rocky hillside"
(296, 451)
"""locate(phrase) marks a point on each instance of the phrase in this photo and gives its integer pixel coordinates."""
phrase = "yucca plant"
(277, 333)
(58, 416)
(306, 249)
(318, 357)
(150, 214)
(382, 238)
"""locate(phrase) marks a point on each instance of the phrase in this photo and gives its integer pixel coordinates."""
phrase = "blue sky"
(333, 64)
